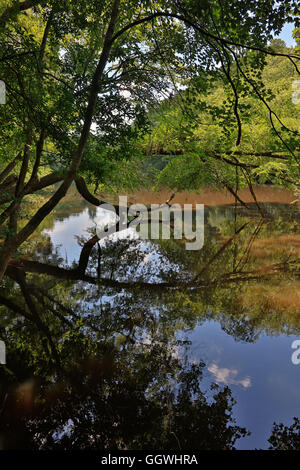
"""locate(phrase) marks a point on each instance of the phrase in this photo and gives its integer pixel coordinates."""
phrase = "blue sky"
(286, 34)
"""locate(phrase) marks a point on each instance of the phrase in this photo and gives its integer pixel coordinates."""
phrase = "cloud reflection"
(228, 376)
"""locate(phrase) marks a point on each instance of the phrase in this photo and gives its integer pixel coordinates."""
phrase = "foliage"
(285, 437)
(199, 124)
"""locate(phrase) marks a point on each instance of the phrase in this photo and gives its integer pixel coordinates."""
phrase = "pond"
(227, 313)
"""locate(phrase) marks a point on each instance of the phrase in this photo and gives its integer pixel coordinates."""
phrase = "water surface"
(237, 321)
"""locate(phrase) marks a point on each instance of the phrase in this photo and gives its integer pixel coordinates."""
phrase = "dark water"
(237, 322)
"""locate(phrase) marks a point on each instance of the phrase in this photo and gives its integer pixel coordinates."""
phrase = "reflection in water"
(144, 345)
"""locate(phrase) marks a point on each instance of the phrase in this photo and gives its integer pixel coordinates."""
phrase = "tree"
(196, 146)
(65, 66)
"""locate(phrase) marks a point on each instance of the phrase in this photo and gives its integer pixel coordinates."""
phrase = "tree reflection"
(94, 359)
(108, 394)
(285, 437)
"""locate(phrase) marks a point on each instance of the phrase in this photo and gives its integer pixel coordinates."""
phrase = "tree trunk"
(11, 245)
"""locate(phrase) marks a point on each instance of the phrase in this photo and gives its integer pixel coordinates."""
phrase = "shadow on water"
(141, 344)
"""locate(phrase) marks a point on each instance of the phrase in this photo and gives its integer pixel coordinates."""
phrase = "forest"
(115, 344)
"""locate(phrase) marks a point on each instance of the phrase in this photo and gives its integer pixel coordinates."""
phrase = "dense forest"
(198, 126)
(190, 136)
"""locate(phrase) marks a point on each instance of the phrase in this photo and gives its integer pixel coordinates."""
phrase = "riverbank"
(210, 197)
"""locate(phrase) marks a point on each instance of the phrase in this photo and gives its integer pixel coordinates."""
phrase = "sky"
(286, 35)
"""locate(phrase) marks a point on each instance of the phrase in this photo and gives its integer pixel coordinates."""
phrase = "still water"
(238, 320)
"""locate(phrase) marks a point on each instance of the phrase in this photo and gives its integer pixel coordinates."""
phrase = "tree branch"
(10, 167)
(16, 8)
